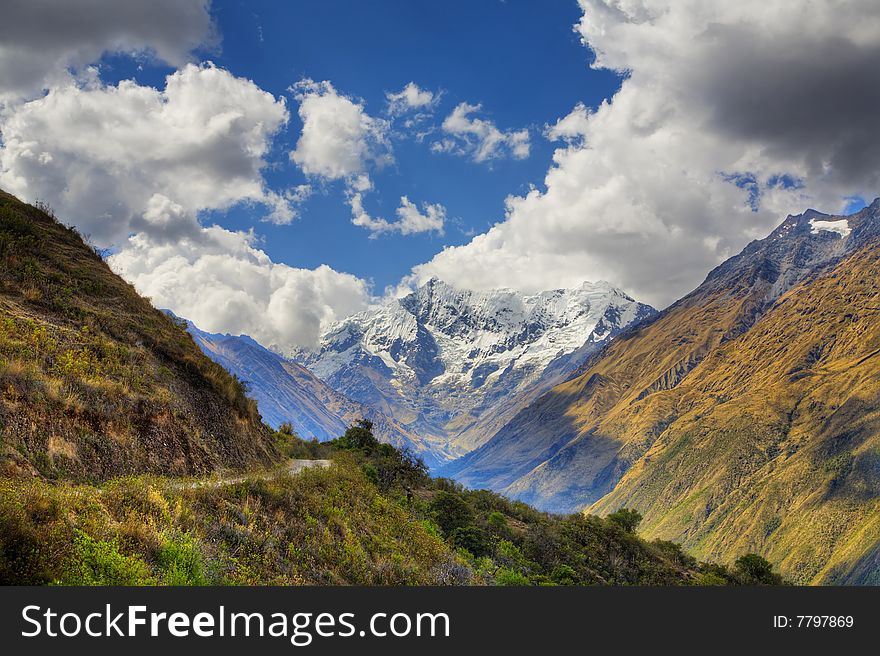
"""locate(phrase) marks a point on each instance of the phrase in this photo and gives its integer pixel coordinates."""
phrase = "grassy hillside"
(94, 382)
(776, 446)
(372, 518)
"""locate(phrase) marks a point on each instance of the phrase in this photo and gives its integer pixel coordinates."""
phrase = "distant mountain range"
(288, 392)
(454, 365)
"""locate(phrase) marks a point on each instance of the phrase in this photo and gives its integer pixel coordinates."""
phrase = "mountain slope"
(777, 443)
(453, 364)
(716, 403)
(288, 392)
(94, 382)
(572, 445)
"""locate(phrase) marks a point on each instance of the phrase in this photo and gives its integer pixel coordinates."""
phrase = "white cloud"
(644, 190)
(222, 282)
(133, 166)
(571, 128)
(284, 206)
(116, 160)
(430, 219)
(479, 138)
(339, 140)
(360, 217)
(410, 98)
(410, 220)
(41, 39)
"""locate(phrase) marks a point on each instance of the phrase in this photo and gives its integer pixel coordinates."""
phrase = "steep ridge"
(571, 446)
(94, 382)
(287, 392)
(776, 444)
(453, 365)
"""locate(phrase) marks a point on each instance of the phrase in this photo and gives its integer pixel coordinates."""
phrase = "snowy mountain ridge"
(288, 392)
(441, 359)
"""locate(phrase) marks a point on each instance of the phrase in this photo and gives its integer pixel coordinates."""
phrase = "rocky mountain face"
(453, 365)
(745, 417)
(287, 392)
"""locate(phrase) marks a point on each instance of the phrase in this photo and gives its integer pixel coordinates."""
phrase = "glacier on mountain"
(450, 363)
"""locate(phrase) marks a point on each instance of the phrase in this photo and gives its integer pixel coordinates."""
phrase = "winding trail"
(292, 467)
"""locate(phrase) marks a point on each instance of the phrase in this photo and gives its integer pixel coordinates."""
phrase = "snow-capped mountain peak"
(441, 357)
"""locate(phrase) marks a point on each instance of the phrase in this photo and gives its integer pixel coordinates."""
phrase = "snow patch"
(432, 341)
(841, 227)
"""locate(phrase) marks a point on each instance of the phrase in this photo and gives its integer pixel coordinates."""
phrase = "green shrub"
(181, 561)
(451, 512)
(99, 562)
(753, 569)
(626, 519)
(473, 539)
(506, 576)
(564, 574)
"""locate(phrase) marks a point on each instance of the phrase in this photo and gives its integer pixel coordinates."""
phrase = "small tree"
(359, 436)
(753, 569)
(626, 518)
(473, 539)
(399, 468)
(451, 512)
(497, 521)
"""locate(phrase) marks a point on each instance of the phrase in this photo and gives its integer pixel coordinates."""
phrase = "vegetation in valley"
(375, 518)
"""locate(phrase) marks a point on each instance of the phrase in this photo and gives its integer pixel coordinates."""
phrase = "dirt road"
(292, 467)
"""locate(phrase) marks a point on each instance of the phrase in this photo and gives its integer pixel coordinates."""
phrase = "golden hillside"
(776, 444)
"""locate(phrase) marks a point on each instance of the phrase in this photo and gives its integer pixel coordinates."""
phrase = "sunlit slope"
(775, 442)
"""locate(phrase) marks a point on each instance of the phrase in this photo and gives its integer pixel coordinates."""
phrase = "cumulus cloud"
(410, 98)
(410, 220)
(339, 140)
(571, 128)
(40, 40)
(223, 282)
(133, 166)
(730, 116)
(116, 160)
(478, 138)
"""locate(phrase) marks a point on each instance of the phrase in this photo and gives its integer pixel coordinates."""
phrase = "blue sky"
(521, 60)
